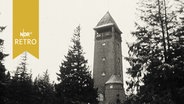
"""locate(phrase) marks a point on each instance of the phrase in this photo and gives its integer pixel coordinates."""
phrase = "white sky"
(58, 19)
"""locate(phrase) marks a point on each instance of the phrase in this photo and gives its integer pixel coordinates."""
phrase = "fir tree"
(156, 58)
(43, 90)
(4, 78)
(21, 85)
(75, 82)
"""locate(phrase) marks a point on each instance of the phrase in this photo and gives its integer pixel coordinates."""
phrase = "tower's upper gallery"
(107, 21)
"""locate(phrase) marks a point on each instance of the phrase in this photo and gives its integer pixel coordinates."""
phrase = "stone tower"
(107, 72)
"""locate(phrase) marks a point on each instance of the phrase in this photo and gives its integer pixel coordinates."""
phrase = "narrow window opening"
(103, 74)
(111, 86)
(103, 44)
(103, 59)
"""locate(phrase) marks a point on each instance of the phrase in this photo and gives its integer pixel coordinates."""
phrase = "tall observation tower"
(107, 72)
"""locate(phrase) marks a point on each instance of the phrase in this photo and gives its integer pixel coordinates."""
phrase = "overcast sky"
(58, 19)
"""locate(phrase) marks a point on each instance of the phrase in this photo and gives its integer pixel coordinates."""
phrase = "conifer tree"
(75, 82)
(21, 85)
(43, 90)
(156, 57)
(3, 76)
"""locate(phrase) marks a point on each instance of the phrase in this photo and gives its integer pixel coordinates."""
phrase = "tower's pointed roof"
(114, 79)
(107, 21)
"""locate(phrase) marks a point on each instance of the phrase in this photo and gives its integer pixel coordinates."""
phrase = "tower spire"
(107, 21)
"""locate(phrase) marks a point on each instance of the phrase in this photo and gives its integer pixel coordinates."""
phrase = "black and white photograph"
(91, 51)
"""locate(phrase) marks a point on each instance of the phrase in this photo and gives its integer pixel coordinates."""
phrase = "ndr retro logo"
(25, 39)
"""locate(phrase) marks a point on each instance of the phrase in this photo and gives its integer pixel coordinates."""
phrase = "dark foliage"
(43, 90)
(4, 76)
(20, 88)
(157, 58)
(76, 85)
